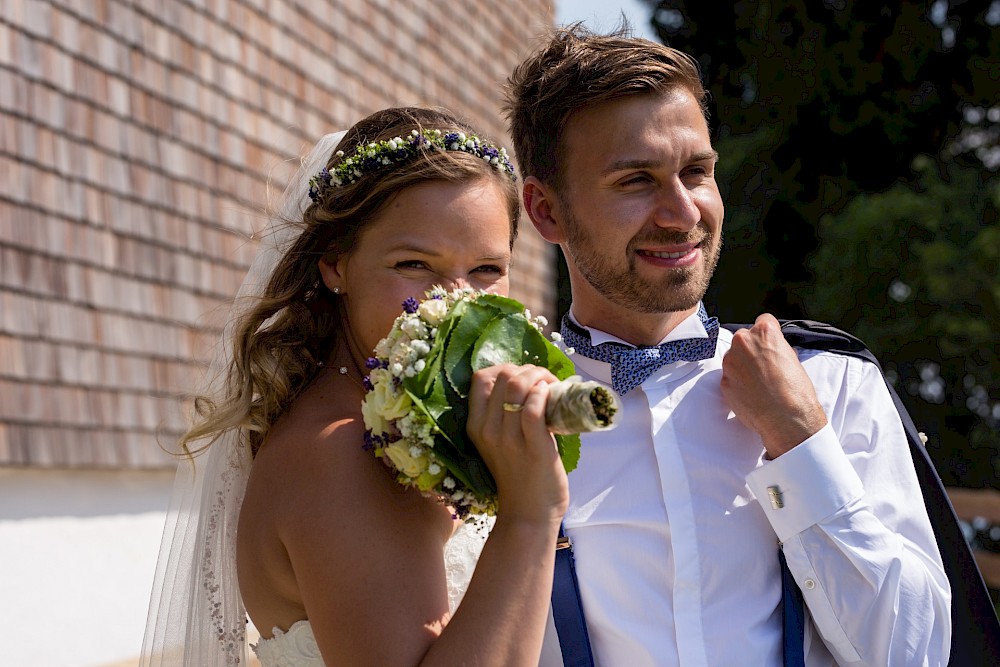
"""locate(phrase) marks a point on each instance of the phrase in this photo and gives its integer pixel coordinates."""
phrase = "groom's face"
(639, 205)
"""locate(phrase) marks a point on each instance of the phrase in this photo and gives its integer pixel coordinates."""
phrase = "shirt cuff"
(806, 484)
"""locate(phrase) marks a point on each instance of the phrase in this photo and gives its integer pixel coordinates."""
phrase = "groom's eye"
(636, 179)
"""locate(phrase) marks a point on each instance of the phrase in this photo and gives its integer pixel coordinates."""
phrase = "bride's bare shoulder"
(317, 447)
(315, 457)
(312, 487)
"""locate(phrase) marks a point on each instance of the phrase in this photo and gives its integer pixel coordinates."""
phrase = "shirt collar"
(690, 327)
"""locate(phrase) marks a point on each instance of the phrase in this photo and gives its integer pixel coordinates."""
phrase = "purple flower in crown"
(418, 140)
(318, 182)
(370, 163)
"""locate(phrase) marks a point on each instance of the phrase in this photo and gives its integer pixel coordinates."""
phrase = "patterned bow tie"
(630, 366)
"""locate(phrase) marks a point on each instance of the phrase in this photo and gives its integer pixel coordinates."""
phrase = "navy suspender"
(793, 614)
(567, 611)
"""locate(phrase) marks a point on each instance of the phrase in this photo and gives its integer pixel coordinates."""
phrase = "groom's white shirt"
(676, 539)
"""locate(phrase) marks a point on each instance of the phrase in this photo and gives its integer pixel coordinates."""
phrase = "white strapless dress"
(296, 646)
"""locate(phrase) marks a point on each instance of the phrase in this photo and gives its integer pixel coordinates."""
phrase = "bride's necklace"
(344, 370)
(356, 376)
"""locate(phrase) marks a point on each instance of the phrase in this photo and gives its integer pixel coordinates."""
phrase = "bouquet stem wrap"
(416, 408)
(578, 406)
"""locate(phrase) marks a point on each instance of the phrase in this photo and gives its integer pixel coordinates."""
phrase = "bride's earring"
(336, 290)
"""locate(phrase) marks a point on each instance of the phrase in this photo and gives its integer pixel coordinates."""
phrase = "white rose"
(433, 311)
(404, 461)
(374, 421)
(389, 403)
(379, 376)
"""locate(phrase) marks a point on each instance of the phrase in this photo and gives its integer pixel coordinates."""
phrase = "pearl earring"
(336, 290)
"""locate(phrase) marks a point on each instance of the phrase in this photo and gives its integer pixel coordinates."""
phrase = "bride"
(337, 563)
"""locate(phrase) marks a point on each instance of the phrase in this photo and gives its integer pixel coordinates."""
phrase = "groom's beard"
(618, 279)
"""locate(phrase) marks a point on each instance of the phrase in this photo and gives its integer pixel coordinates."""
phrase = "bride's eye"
(411, 264)
(488, 268)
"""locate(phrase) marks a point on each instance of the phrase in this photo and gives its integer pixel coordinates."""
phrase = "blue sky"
(603, 15)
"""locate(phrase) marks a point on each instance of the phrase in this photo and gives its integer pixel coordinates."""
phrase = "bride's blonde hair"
(281, 340)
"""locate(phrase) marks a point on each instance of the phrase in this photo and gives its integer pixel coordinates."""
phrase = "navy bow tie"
(630, 366)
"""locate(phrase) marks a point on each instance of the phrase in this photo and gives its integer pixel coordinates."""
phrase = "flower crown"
(371, 157)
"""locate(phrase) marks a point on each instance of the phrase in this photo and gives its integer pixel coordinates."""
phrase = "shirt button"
(809, 584)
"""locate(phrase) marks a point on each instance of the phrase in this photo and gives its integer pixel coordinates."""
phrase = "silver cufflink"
(774, 493)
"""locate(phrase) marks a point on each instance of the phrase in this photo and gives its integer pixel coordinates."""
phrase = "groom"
(731, 446)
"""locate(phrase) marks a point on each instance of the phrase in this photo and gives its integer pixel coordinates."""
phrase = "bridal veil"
(196, 616)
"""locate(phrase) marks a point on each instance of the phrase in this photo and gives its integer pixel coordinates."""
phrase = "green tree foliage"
(913, 271)
(820, 110)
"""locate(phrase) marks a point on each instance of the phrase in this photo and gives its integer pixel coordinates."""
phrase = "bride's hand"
(507, 424)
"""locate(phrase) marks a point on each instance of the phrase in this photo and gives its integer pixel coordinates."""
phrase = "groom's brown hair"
(577, 68)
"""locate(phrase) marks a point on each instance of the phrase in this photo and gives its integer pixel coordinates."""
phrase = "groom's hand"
(768, 389)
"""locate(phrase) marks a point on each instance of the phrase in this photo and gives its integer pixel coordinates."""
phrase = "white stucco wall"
(77, 555)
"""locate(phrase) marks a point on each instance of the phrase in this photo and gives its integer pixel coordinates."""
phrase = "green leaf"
(458, 354)
(455, 451)
(432, 405)
(469, 470)
(505, 340)
(557, 362)
(502, 303)
(569, 450)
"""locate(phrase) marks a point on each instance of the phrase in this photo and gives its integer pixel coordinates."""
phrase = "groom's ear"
(543, 208)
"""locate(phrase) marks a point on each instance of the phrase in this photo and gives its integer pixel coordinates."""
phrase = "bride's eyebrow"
(405, 245)
(409, 246)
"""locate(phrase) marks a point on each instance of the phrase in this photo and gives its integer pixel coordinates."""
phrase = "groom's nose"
(675, 206)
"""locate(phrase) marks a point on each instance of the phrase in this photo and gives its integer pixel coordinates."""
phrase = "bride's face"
(435, 233)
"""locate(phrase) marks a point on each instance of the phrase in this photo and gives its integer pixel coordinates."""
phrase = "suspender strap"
(793, 615)
(567, 610)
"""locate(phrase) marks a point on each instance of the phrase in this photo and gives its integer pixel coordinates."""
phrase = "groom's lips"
(673, 256)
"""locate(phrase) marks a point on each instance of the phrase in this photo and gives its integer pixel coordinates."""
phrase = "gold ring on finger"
(513, 407)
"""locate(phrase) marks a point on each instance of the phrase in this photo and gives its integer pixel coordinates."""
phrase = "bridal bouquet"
(416, 408)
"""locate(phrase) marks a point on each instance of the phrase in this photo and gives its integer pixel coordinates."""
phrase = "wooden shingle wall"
(137, 141)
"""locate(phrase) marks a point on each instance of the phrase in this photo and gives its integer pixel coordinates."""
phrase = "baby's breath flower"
(414, 327)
